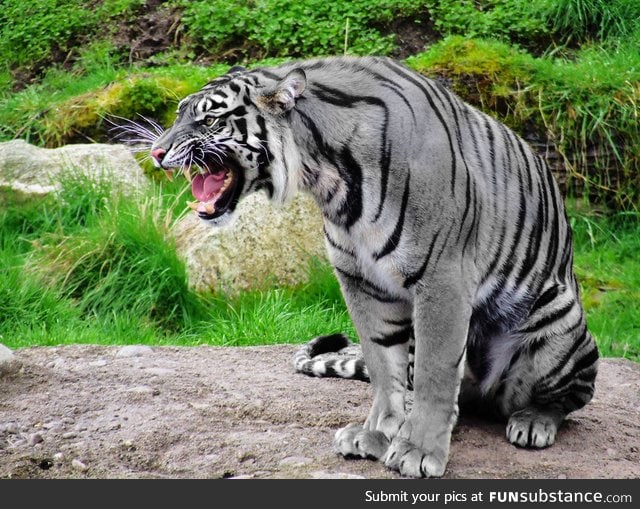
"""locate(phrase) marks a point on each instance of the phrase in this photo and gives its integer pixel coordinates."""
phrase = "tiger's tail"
(331, 356)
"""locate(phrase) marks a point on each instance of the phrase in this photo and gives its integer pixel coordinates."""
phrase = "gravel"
(205, 412)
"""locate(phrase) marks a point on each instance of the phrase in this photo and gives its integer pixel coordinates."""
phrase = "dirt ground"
(205, 412)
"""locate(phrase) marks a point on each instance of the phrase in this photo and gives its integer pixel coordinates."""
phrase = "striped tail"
(331, 356)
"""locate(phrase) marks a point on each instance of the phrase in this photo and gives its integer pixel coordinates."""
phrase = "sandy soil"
(204, 412)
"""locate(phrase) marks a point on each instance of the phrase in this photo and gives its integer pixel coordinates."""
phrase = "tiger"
(447, 233)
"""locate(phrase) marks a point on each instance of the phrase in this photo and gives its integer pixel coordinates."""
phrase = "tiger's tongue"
(204, 188)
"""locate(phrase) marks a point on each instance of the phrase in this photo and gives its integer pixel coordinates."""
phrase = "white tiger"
(441, 224)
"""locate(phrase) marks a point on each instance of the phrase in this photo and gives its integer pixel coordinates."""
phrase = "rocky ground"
(204, 412)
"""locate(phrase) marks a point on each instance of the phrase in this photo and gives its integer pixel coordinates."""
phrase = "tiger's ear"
(283, 97)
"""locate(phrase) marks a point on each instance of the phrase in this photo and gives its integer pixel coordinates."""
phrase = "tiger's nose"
(158, 154)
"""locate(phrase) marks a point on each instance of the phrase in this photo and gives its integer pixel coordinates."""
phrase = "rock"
(79, 465)
(35, 438)
(52, 426)
(34, 170)
(8, 362)
(141, 393)
(294, 461)
(320, 474)
(134, 351)
(263, 245)
(10, 428)
(69, 435)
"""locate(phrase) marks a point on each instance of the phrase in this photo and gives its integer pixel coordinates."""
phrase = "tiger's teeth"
(209, 208)
(169, 174)
(193, 204)
(187, 174)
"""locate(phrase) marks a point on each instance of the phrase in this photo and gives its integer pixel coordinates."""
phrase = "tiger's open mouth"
(215, 187)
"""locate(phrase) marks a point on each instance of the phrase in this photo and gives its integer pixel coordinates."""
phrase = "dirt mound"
(93, 411)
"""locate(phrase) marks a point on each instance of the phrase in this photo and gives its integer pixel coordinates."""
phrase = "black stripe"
(241, 125)
(264, 155)
(586, 361)
(455, 106)
(268, 74)
(395, 338)
(340, 98)
(556, 315)
(402, 322)
(547, 296)
(405, 100)
(394, 240)
(406, 75)
(533, 251)
(328, 343)
(238, 111)
(461, 356)
(562, 363)
(555, 228)
(524, 153)
(369, 288)
(475, 220)
(511, 259)
(412, 279)
(351, 173)
(337, 246)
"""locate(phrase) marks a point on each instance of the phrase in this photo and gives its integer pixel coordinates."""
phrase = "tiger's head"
(231, 138)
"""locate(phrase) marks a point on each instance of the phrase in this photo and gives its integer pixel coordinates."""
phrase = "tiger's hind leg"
(551, 376)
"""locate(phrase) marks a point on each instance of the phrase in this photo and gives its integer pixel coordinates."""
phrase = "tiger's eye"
(209, 121)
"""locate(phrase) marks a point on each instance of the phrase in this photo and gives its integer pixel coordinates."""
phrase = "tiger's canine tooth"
(209, 208)
(193, 204)
(187, 174)
(169, 174)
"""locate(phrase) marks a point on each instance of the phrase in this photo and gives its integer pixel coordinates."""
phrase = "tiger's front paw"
(411, 461)
(355, 441)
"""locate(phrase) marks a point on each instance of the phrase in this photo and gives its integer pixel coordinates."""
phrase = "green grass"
(91, 266)
(608, 268)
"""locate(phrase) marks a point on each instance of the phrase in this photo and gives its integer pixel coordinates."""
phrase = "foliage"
(65, 107)
(507, 20)
(31, 32)
(575, 21)
(295, 28)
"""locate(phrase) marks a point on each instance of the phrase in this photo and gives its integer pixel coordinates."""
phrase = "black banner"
(309, 494)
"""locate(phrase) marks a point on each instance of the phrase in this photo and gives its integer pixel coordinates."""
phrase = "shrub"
(295, 28)
(575, 21)
(122, 262)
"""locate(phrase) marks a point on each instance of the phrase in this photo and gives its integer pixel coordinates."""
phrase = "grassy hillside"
(101, 268)
(566, 72)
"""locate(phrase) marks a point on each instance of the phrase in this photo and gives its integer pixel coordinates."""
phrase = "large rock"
(31, 169)
(264, 245)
